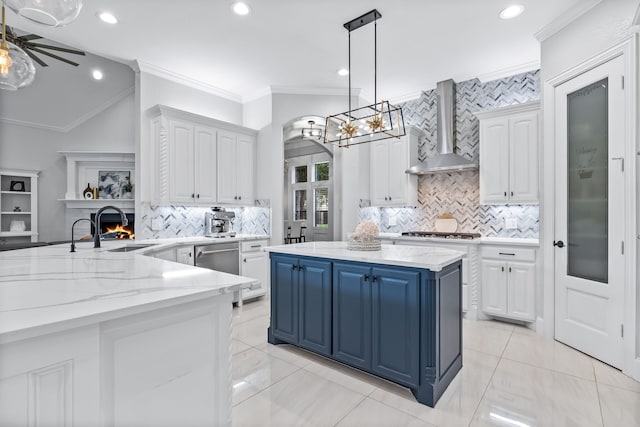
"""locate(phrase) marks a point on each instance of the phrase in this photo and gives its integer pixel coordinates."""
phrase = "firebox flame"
(120, 232)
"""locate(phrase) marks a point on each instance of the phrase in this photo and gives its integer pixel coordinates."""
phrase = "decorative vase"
(88, 192)
(127, 195)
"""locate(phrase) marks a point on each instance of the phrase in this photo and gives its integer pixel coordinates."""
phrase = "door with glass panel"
(310, 194)
(590, 205)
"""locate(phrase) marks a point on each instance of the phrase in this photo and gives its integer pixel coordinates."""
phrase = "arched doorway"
(308, 203)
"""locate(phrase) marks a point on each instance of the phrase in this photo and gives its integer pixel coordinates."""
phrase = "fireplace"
(111, 226)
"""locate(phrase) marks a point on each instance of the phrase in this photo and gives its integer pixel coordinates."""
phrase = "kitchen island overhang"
(103, 338)
(395, 313)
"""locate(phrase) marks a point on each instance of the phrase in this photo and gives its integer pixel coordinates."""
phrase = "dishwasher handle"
(219, 251)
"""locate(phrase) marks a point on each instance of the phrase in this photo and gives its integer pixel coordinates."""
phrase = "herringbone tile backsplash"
(458, 193)
(188, 221)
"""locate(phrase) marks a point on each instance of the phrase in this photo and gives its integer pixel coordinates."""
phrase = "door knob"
(559, 243)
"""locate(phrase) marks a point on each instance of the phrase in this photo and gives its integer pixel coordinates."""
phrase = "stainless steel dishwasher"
(220, 256)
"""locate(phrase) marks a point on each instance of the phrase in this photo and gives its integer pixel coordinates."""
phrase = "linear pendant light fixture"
(377, 121)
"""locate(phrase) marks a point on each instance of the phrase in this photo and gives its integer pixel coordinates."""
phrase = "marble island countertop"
(432, 258)
(48, 289)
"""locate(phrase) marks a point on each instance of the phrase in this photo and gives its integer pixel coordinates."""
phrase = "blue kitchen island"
(395, 313)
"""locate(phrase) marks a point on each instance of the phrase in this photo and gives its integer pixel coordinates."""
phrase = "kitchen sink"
(130, 248)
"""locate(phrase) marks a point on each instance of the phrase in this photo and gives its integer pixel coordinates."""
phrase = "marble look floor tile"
(346, 376)
(253, 332)
(479, 337)
(458, 403)
(520, 329)
(619, 407)
(371, 413)
(289, 353)
(250, 311)
(498, 324)
(521, 394)
(254, 370)
(301, 399)
(238, 346)
(608, 375)
(547, 353)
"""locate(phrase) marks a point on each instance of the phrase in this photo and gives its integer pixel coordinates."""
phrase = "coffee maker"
(218, 222)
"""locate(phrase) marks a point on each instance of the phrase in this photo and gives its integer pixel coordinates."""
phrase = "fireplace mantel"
(83, 165)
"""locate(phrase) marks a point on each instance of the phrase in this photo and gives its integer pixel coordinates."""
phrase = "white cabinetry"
(18, 206)
(192, 152)
(508, 282)
(255, 264)
(199, 160)
(236, 168)
(509, 154)
(390, 185)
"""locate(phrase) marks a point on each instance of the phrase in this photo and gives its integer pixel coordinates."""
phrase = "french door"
(590, 206)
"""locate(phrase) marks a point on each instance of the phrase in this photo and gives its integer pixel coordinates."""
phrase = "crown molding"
(509, 71)
(566, 18)
(406, 97)
(145, 67)
(74, 124)
(309, 90)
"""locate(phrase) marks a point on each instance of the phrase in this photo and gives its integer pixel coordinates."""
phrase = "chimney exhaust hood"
(446, 160)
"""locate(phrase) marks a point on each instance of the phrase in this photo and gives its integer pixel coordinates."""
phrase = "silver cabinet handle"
(256, 246)
(507, 253)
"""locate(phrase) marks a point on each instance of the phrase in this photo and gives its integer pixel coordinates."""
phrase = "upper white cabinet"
(199, 160)
(390, 185)
(192, 153)
(236, 154)
(509, 154)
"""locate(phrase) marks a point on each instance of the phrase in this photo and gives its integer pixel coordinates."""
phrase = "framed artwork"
(111, 183)
(17, 186)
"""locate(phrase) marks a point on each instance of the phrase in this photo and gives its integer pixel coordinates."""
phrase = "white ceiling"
(302, 43)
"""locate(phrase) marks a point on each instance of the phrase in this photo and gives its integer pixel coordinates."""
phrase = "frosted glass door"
(590, 207)
(587, 182)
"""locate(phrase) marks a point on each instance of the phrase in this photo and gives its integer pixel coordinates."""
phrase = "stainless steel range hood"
(446, 160)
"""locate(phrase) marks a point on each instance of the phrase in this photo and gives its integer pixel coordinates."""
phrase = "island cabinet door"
(314, 308)
(284, 298)
(352, 314)
(395, 297)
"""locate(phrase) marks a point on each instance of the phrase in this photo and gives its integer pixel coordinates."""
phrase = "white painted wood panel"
(205, 161)
(181, 168)
(523, 158)
(494, 160)
(521, 292)
(494, 287)
(227, 163)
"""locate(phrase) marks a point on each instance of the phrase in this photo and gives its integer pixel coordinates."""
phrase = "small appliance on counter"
(218, 222)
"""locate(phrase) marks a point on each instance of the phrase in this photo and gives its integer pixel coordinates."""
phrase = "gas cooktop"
(442, 235)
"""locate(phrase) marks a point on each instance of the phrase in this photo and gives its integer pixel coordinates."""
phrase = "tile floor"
(511, 377)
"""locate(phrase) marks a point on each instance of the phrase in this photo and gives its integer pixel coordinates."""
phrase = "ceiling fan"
(30, 47)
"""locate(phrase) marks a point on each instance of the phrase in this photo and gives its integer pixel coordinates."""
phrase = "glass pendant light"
(53, 13)
(16, 68)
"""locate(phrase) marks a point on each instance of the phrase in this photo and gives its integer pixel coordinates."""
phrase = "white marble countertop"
(48, 289)
(478, 241)
(434, 259)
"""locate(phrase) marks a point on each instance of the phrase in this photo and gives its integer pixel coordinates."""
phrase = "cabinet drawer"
(509, 254)
(253, 245)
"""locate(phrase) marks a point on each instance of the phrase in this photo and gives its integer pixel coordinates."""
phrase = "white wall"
(36, 149)
(598, 30)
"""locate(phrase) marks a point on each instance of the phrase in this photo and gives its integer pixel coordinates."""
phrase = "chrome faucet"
(96, 235)
(73, 243)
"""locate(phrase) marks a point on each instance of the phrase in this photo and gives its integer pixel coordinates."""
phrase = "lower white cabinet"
(508, 282)
(255, 264)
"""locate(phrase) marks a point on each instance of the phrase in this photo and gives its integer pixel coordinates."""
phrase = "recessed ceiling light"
(97, 74)
(511, 11)
(240, 8)
(108, 18)
(343, 72)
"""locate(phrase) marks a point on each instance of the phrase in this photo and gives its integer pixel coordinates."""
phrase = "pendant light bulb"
(16, 68)
(5, 60)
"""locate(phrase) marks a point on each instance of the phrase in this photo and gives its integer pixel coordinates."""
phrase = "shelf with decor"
(107, 171)
(18, 206)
